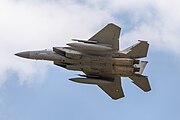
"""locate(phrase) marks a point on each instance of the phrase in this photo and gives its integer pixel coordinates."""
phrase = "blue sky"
(39, 90)
(57, 98)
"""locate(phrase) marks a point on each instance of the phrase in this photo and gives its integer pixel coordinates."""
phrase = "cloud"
(27, 25)
(32, 24)
(160, 25)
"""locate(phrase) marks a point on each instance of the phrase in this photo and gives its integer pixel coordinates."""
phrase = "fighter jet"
(101, 61)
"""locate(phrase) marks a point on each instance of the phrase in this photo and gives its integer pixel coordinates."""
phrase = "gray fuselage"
(74, 60)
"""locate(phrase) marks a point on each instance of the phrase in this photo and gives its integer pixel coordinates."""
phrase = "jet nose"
(23, 54)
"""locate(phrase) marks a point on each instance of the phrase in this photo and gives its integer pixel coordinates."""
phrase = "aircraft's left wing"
(114, 90)
(108, 36)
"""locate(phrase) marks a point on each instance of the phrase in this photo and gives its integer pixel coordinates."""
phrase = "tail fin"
(138, 50)
(141, 81)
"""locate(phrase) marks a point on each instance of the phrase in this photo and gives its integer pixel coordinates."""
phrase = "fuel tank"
(90, 80)
(89, 47)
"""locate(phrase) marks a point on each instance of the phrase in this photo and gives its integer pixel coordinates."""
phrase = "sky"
(40, 90)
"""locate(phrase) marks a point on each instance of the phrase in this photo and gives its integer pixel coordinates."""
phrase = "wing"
(114, 90)
(108, 36)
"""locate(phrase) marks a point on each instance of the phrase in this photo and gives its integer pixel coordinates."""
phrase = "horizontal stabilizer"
(138, 50)
(141, 81)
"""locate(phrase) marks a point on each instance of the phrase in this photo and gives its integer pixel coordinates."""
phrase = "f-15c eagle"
(101, 61)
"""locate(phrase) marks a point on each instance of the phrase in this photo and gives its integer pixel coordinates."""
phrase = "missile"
(85, 41)
(89, 47)
(90, 81)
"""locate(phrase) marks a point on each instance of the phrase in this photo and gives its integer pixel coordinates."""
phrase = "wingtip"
(113, 24)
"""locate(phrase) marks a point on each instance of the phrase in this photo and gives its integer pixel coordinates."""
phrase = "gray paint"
(101, 61)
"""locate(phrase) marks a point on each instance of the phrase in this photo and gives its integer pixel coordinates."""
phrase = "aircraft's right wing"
(108, 36)
(108, 83)
(114, 90)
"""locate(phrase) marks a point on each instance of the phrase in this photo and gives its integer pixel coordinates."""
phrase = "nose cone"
(23, 54)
